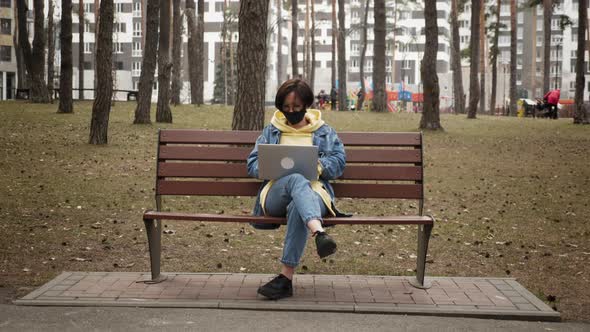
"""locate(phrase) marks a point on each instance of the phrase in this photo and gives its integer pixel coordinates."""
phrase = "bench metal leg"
(423, 237)
(154, 233)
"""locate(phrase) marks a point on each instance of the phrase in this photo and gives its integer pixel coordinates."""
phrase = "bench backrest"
(213, 163)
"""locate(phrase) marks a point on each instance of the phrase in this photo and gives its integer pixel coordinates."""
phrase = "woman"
(303, 202)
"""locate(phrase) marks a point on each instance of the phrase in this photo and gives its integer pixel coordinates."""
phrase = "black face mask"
(295, 117)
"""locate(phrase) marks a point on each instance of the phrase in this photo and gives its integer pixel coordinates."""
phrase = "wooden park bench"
(213, 163)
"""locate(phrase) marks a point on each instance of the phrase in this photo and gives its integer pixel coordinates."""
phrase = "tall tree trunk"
(279, 4)
(495, 52)
(458, 92)
(65, 67)
(334, 37)
(224, 51)
(200, 51)
(50, 49)
(35, 56)
(361, 99)
(474, 59)
(581, 115)
(294, 34)
(342, 94)
(312, 70)
(252, 26)
(379, 103)
(482, 58)
(176, 50)
(513, 28)
(21, 73)
(547, 13)
(81, 21)
(193, 49)
(163, 113)
(148, 65)
(430, 114)
(101, 108)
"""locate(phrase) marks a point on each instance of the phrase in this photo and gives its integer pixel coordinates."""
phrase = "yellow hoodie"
(301, 136)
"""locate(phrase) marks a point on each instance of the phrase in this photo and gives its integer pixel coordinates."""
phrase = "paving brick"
(52, 293)
(526, 306)
(518, 299)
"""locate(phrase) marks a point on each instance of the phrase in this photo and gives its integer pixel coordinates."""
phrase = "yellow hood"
(313, 116)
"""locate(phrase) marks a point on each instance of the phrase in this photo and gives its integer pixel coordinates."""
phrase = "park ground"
(510, 197)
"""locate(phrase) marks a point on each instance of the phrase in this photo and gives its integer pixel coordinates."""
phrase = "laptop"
(276, 161)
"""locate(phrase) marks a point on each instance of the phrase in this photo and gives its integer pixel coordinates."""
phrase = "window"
(136, 85)
(119, 65)
(6, 53)
(88, 7)
(5, 26)
(119, 7)
(136, 49)
(572, 85)
(119, 27)
(136, 69)
(137, 29)
(87, 27)
(5, 3)
(87, 48)
(117, 48)
(137, 9)
(354, 63)
(87, 65)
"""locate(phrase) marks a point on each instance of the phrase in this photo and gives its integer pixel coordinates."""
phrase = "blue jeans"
(292, 196)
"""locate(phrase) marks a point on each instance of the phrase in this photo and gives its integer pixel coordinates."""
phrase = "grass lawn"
(510, 197)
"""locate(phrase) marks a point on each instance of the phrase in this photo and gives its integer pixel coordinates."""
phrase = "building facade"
(8, 67)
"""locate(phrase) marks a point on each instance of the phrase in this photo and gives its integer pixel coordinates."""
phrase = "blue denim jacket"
(331, 156)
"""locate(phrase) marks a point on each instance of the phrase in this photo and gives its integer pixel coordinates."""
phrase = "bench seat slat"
(233, 153)
(392, 220)
(238, 170)
(354, 190)
(184, 136)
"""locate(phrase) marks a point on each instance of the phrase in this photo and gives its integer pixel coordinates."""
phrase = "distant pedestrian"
(551, 100)
(333, 97)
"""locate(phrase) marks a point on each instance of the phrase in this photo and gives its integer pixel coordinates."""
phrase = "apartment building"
(7, 54)
(530, 51)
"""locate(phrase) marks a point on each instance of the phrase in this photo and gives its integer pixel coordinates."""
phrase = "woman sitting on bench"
(303, 202)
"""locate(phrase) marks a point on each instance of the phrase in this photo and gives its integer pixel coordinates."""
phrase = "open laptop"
(276, 161)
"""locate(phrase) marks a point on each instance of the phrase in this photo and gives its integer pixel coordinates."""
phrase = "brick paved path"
(467, 297)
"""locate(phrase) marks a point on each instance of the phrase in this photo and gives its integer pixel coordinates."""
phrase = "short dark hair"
(301, 89)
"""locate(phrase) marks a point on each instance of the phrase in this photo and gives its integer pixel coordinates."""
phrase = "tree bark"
(200, 51)
(176, 51)
(482, 58)
(81, 50)
(361, 99)
(581, 115)
(342, 94)
(34, 57)
(379, 103)
(65, 76)
(547, 13)
(279, 4)
(21, 72)
(193, 65)
(495, 52)
(163, 113)
(101, 108)
(294, 33)
(249, 108)
(513, 41)
(430, 113)
(458, 91)
(334, 35)
(148, 65)
(312, 41)
(474, 59)
(50, 49)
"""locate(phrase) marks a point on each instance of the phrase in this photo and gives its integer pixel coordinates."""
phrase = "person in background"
(303, 202)
(551, 100)
(333, 97)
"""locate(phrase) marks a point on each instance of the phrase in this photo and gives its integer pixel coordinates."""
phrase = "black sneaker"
(325, 244)
(278, 288)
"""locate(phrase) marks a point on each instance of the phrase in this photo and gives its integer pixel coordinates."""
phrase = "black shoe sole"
(327, 249)
(274, 296)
